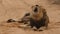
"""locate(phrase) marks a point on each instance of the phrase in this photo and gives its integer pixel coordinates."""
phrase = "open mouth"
(36, 9)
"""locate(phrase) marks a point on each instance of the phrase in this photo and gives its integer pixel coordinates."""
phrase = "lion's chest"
(37, 16)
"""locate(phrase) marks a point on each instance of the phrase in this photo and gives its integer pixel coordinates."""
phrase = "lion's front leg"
(46, 22)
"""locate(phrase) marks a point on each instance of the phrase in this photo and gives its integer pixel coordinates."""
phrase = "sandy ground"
(17, 8)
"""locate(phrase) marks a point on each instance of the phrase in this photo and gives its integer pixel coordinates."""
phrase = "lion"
(39, 17)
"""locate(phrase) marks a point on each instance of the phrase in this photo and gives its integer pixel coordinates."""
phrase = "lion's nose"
(37, 5)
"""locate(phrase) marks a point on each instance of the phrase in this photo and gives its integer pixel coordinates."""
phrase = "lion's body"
(40, 18)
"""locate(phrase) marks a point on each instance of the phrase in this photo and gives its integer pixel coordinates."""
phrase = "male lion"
(38, 17)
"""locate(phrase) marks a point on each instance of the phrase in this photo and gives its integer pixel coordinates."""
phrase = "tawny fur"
(40, 18)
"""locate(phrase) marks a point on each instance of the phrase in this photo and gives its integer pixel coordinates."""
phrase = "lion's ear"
(44, 11)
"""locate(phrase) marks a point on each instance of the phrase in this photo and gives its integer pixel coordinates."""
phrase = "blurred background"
(16, 9)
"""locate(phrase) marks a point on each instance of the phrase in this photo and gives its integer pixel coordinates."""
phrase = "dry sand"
(17, 8)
